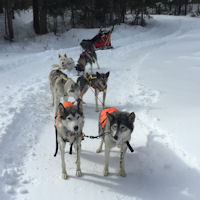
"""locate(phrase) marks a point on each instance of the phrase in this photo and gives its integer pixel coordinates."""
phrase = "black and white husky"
(97, 81)
(117, 127)
(88, 56)
(62, 86)
(69, 125)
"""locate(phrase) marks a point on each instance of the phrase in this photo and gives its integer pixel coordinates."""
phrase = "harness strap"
(129, 146)
(70, 150)
(64, 78)
(96, 96)
(56, 142)
(90, 77)
(95, 137)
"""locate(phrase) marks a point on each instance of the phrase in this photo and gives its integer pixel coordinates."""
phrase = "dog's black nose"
(76, 128)
(115, 137)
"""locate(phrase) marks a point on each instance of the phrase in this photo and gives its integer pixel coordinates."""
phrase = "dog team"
(115, 127)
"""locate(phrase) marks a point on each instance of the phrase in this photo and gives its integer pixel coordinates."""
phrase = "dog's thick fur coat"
(97, 81)
(64, 63)
(89, 56)
(118, 129)
(62, 86)
(69, 127)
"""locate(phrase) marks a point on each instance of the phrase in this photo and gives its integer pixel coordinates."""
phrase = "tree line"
(51, 15)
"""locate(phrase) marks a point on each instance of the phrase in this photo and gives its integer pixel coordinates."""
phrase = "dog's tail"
(56, 66)
(56, 143)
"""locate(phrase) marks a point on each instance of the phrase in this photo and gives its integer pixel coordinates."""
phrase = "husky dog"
(64, 63)
(87, 56)
(97, 81)
(117, 127)
(69, 125)
(62, 86)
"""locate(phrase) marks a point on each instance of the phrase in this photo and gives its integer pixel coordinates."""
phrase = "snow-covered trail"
(157, 170)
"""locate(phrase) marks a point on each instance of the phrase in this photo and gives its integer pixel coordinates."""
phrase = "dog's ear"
(110, 116)
(107, 74)
(65, 55)
(61, 110)
(80, 105)
(59, 55)
(131, 117)
(98, 75)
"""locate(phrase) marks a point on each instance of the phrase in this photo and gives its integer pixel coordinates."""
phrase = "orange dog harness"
(65, 105)
(103, 116)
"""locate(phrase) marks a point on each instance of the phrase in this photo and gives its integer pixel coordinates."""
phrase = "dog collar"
(65, 78)
(72, 134)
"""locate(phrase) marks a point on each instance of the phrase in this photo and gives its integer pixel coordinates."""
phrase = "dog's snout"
(76, 128)
(115, 137)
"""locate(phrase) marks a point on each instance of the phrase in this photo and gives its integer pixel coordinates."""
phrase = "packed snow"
(154, 71)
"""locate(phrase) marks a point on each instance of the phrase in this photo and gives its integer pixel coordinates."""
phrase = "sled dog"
(117, 127)
(64, 63)
(68, 125)
(87, 56)
(62, 86)
(97, 81)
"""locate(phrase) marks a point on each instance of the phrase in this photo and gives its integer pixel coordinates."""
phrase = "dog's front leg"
(106, 164)
(78, 151)
(52, 99)
(96, 100)
(91, 67)
(122, 169)
(100, 146)
(56, 103)
(97, 64)
(62, 151)
(104, 97)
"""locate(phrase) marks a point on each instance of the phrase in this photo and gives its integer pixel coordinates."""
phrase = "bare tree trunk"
(186, 5)
(36, 20)
(9, 32)
(55, 25)
(142, 23)
(43, 18)
(40, 16)
(72, 17)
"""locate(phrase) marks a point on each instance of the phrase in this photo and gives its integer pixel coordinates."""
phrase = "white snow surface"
(154, 71)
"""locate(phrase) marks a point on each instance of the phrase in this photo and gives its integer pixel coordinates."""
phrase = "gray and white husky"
(62, 86)
(69, 127)
(97, 81)
(64, 63)
(118, 128)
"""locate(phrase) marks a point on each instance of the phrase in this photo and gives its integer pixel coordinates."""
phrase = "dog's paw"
(105, 172)
(78, 173)
(121, 173)
(99, 150)
(64, 175)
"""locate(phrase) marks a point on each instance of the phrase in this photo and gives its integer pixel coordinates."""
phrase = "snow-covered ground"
(154, 71)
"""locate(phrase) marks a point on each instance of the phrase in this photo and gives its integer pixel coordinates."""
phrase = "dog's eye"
(114, 126)
(69, 118)
(123, 128)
